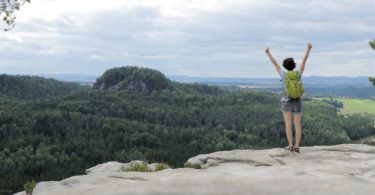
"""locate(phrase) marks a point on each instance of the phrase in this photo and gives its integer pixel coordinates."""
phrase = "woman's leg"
(297, 125)
(288, 127)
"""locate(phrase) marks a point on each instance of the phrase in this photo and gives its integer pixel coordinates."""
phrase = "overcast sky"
(208, 38)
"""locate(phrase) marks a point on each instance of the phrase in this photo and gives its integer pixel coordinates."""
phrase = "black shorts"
(291, 105)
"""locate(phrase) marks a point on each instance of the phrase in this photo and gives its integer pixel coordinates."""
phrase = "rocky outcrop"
(132, 86)
(340, 169)
(132, 79)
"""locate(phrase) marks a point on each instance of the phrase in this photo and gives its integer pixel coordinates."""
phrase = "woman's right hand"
(309, 46)
(267, 50)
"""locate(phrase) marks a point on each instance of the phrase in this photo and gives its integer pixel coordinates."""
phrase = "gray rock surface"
(340, 169)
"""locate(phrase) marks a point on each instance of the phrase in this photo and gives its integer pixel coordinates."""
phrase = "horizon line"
(180, 75)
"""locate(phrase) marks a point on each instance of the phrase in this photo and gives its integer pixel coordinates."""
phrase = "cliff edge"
(339, 169)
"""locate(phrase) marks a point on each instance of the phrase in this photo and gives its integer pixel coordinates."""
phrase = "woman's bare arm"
(302, 67)
(277, 66)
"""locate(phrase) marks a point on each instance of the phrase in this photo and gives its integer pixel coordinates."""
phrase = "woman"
(291, 107)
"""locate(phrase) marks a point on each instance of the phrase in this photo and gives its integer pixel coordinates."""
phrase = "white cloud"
(14, 37)
(191, 37)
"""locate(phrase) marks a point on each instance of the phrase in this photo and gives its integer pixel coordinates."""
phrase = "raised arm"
(302, 67)
(277, 66)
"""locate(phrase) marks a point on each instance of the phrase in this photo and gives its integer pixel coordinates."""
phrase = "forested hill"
(132, 78)
(54, 138)
(146, 80)
(32, 87)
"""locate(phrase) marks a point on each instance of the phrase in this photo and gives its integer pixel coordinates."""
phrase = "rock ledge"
(339, 169)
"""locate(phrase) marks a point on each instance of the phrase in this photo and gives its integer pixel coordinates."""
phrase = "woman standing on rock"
(290, 100)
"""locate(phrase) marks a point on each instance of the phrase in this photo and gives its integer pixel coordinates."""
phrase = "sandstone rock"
(105, 167)
(112, 167)
(21, 193)
(340, 169)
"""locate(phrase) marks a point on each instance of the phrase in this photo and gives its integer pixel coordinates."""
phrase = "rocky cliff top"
(132, 78)
(340, 169)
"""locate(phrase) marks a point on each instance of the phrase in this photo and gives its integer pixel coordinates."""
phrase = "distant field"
(352, 106)
(259, 86)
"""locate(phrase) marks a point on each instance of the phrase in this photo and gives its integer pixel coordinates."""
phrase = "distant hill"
(361, 81)
(32, 87)
(357, 87)
(316, 81)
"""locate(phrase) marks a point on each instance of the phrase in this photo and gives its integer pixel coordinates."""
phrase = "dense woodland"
(34, 87)
(50, 137)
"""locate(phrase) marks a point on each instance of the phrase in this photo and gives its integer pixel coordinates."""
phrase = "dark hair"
(289, 64)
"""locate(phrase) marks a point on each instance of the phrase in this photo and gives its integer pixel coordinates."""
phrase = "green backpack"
(293, 85)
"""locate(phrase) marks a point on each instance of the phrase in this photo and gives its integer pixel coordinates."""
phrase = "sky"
(202, 38)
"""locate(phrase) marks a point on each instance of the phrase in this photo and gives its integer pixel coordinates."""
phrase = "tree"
(7, 10)
(372, 79)
(372, 44)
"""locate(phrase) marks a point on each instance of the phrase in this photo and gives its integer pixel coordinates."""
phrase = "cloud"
(190, 37)
(13, 37)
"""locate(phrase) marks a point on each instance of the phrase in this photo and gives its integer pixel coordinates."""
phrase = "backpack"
(293, 85)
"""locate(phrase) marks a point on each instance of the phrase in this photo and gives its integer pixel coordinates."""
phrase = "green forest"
(50, 130)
